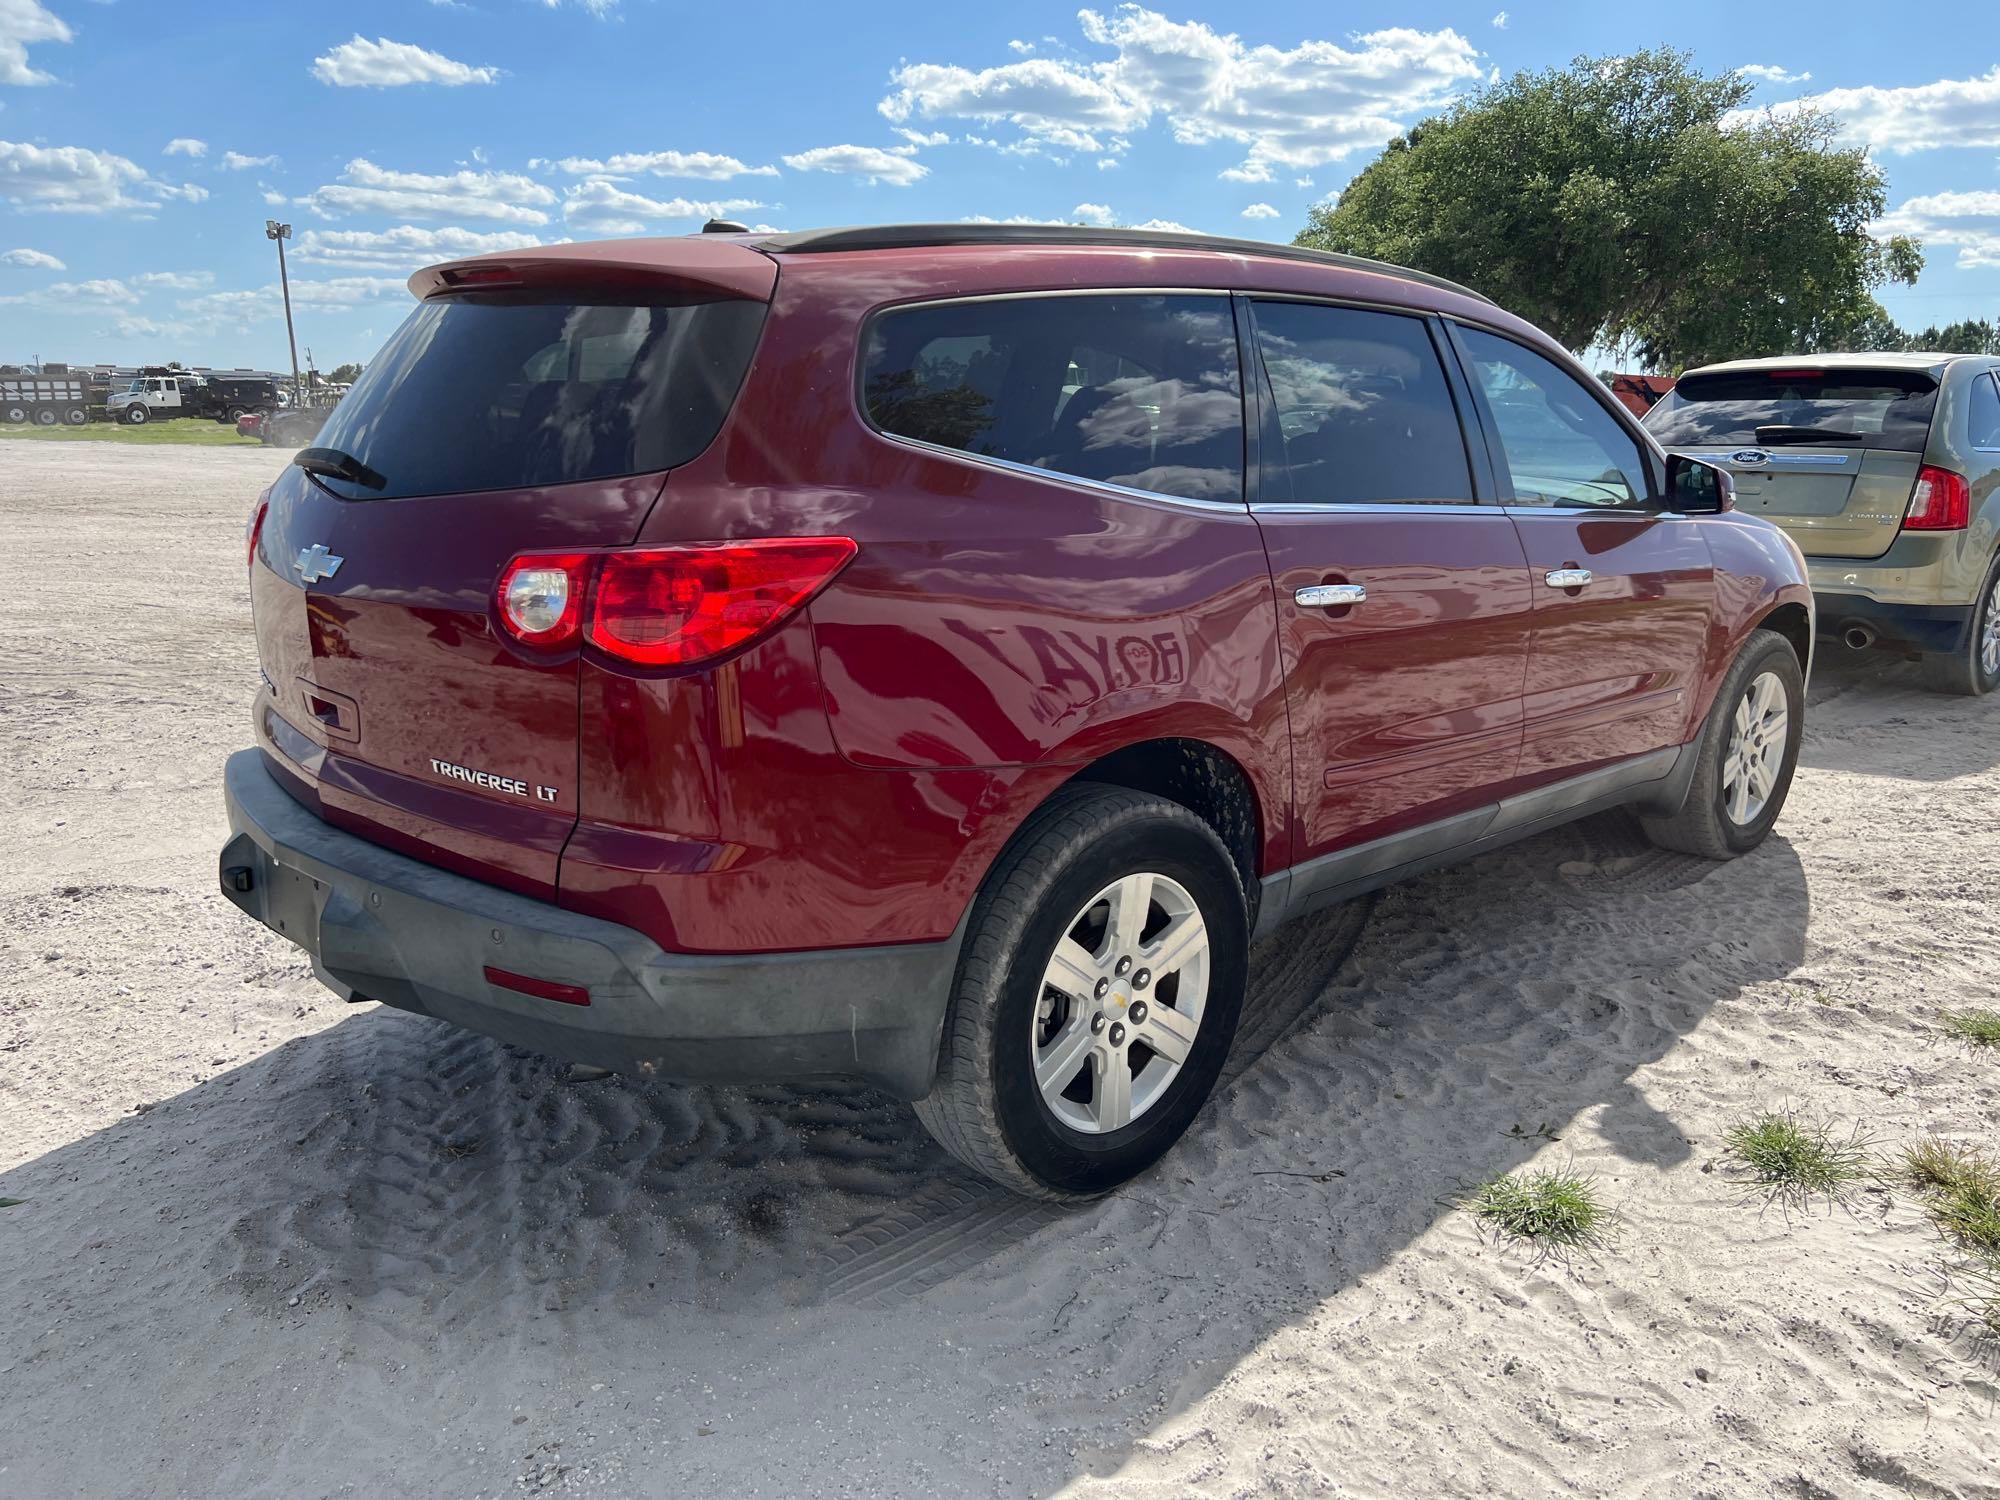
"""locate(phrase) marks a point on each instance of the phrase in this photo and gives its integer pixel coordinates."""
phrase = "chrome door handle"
(1331, 595)
(1567, 578)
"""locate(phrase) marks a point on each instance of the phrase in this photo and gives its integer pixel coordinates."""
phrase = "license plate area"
(293, 901)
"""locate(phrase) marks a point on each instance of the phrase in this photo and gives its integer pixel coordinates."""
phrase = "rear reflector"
(257, 527)
(541, 989)
(665, 606)
(1939, 501)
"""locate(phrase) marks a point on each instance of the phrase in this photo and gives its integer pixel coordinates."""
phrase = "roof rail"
(913, 236)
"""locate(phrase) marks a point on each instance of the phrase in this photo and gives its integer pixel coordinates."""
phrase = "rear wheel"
(46, 417)
(77, 416)
(1748, 750)
(16, 414)
(1974, 668)
(1097, 996)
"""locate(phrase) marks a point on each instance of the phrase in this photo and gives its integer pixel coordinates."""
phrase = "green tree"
(1615, 203)
(345, 374)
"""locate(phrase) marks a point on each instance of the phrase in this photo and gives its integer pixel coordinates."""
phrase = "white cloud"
(23, 22)
(186, 192)
(34, 260)
(245, 307)
(1168, 225)
(69, 179)
(1260, 211)
(600, 206)
(924, 138)
(1093, 213)
(502, 197)
(272, 196)
(1500, 21)
(1024, 48)
(236, 161)
(406, 248)
(1970, 221)
(1950, 112)
(78, 296)
(700, 164)
(1771, 73)
(894, 166)
(1036, 219)
(181, 145)
(383, 64)
(1297, 107)
(1249, 171)
(177, 281)
(598, 8)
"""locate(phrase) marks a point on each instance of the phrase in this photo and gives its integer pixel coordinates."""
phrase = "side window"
(1138, 391)
(1986, 412)
(1363, 411)
(1562, 447)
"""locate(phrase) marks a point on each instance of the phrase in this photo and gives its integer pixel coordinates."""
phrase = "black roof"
(914, 236)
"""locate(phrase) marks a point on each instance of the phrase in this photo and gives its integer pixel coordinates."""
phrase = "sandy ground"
(274, 1245)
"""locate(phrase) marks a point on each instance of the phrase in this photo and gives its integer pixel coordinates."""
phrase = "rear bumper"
(382, 926)
(1938, 628)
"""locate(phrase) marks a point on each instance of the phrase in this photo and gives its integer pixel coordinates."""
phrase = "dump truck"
(45, 400)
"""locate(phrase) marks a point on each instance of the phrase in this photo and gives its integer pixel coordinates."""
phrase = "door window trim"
(857, 397)
(1485, 494)
(1654, 505)
(1992, 378)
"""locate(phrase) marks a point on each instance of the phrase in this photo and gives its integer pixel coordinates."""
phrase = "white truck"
(177, 393)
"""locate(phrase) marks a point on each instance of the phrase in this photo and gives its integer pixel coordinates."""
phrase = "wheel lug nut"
(1097, 1023)
(1123, 968)
(1141, 979)
(1103, 989)
(1117, 1034)
(1138, 1013)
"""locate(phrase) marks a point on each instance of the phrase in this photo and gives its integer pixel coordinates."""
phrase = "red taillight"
(676, 606)
(665, 606)
(540, 596)
(1939, 501)
(255, 531)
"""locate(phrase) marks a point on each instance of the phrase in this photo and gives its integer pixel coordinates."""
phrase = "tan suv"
(1885, 468)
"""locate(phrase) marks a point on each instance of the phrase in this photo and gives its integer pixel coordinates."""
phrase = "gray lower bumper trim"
(382, 926)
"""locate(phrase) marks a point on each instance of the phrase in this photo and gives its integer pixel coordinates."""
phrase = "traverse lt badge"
(492, 783)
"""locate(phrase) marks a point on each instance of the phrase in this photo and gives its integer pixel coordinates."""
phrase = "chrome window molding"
(1079, 481)
(1371, 508)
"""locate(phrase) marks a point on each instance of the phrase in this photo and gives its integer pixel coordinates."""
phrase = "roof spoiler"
(692, 266)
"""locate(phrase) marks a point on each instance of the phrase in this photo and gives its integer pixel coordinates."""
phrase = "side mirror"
(1696, 488)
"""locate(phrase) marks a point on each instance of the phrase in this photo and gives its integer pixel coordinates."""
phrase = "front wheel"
(1748, 750)
(137, 416)
(1097, 996)
(1974, 669)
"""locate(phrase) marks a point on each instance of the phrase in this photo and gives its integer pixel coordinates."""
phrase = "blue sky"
(144, 142)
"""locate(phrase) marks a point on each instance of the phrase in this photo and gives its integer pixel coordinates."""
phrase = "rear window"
(1763, 408)
(1137, 391)
(492, 392)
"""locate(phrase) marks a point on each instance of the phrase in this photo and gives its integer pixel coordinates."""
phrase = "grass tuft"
(1797, 1158)
(1961, 1193)
(1981, 1028)
(1557, 1209)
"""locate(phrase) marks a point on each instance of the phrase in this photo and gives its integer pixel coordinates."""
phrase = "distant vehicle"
(181, 393)
(1639, 394)
(248, 424)
(45, 400)
(933, 653)
(1885, 469)
(295, 426)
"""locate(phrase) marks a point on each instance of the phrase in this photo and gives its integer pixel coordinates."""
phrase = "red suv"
(934, 654)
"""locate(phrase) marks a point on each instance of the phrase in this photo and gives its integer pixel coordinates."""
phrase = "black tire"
(46, 417)
(1704, 825)
(985, 1107)
(15, 415)
(77, 416)
(1964, 672)
(137, 415)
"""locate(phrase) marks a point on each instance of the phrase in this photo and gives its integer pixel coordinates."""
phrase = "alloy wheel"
(1121, 1003)
(1756, 753)
(1989, 636)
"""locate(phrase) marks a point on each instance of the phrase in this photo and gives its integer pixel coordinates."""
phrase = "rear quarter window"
(1140, 391)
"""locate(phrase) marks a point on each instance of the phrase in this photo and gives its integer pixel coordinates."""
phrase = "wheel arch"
(1793, 621)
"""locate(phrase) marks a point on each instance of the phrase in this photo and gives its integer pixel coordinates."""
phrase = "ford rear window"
(1844, 408)
(493, 391)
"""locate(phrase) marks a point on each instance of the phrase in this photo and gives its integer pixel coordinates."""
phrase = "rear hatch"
(1830, 454)
(532, 406)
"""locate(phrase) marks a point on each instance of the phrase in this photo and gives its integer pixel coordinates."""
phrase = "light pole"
(273, 230)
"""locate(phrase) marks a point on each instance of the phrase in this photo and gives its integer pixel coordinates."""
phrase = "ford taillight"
(1939, 501)
(666, 606)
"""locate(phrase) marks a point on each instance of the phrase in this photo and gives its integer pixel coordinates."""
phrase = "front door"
(1403, 603)
(1624, 590)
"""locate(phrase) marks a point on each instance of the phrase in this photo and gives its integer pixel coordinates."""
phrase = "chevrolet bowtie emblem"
(315, 563)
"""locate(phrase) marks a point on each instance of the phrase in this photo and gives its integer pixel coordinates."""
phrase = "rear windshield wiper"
(334, 464)
(1780, 435)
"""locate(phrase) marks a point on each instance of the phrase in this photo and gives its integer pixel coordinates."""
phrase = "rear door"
(1829, 454)
(542, 417)
(1405, 702)
(1623, 591)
